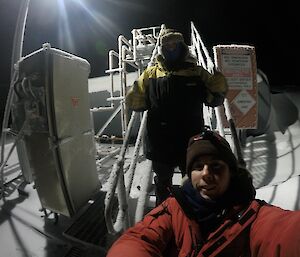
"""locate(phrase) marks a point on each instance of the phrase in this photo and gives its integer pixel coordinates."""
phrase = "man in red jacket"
(213, 214)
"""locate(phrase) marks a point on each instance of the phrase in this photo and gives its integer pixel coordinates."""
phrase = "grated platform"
(89, 227)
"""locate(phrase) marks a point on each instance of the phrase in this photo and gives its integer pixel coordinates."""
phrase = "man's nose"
(171, 46)
(206, 173)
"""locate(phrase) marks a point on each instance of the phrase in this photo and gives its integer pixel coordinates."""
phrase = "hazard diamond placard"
(238, 64)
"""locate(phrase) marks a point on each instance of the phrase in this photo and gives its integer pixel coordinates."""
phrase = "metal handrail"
(139, 36)
(154, 53)
(147, 172)
(5, 128)
(209, 66)
(144, 192)
(117, 177)
(3, 163)
(114, 114)
(135, 154)
(234, 135)
(198, 43)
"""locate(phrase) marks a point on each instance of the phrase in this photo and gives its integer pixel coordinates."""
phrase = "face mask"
(172, 55)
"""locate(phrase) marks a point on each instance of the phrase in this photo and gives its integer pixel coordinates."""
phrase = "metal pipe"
(112, 182)
(123, 106)
(209, 64)
(108, 121)
(3, 163)
(155, 50)
(19, 34)
(196, 39)
(108, 157)
(16, 56)
(111, 70)
(134, 40)
(7, 112)
(137, 146)
(121, 40)
(219, 121)
(101, 109)
(111, 75)
(112, 54)
(5, 125)
(206, 116)
(234, 133)
(123, 214)
(144, 193)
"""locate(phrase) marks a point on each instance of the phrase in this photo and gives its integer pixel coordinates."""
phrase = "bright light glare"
(94, 17)
(64, 32)
(106, 24)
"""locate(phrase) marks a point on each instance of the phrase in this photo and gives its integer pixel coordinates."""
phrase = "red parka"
(261, 230)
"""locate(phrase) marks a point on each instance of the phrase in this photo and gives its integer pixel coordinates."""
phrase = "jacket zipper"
(195, 244)
(197, 249)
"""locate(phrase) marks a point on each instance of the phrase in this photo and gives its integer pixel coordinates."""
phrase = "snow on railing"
(116, 179)
(197, 44)
(135, 154)
(206, 62)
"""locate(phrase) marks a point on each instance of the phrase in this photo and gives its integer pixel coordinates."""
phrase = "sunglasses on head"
(213, 137)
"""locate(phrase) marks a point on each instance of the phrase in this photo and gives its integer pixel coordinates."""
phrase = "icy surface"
(273, 158)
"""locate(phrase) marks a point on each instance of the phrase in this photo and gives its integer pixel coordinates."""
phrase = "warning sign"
(244, 101)
(238, 64)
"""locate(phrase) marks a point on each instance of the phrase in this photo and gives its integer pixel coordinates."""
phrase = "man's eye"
(216, 166)
(198, 166)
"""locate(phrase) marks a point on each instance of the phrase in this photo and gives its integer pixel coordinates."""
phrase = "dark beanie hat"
(209, 143)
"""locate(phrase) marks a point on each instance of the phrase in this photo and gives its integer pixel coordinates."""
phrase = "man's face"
(170, 45)
(210, 176)
(172, 51)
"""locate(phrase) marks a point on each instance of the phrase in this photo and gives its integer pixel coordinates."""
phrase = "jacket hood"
(190, 60)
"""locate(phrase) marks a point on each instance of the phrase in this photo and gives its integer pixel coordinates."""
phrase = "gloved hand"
(135, 100)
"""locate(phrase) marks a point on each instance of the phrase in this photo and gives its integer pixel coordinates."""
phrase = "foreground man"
(213, 214)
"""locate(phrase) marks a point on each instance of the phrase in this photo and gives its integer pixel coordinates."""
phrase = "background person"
(173, 91)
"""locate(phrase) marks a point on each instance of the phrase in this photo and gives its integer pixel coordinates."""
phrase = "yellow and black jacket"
(174, 100)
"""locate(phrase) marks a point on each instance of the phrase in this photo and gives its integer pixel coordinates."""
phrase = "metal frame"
(137, 58)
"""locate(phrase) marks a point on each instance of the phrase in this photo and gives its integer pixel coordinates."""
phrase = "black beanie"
(206, 143)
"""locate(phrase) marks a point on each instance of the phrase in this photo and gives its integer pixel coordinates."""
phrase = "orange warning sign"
(238, 64)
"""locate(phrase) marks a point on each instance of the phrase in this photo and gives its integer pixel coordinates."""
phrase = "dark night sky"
(91, 29)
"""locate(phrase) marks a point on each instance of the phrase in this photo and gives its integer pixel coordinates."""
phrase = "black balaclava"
(174, 58)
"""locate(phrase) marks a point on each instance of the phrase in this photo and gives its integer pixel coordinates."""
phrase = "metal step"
(89, 227)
